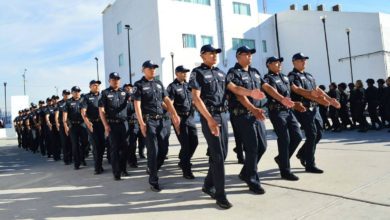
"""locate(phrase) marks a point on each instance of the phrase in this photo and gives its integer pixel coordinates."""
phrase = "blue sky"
(57, 41)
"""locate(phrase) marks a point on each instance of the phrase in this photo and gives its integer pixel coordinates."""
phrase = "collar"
(204, 66)
(297, 71)
(238, 66)
(178, 82)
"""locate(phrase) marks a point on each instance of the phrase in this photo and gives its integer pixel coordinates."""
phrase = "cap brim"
(281, 59)
(252, 51)
(115, 77)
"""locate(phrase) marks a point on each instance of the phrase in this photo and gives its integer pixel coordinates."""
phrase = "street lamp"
(55, 87)
(97, 68)
(348, 31)
(128, 28)
(173, 66)
(5, 102)
(24, 81)
(323, 18)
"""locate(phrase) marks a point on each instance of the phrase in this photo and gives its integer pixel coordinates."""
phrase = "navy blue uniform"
(283, 120)
(372, 104)
(212, 86)
(151, 95)
(96, 138)
(334, 112)
(344, 113)
(43, 130)
(134, 133)
(188, 138)
(66, 144)
(251, 131)
(115, 107)
(53, 148)
(78, 134)
(310, 120)
(33, 132)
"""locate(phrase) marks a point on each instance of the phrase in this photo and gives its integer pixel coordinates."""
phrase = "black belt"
(132, 121)
(75, 122)
(276, 107)
(154, 117)
(220, 109)
(310, 104)
(239, 111)
(184, 113)
(117, 120)
(94, 120)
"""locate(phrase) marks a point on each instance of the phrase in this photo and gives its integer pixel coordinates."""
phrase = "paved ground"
(355, 185)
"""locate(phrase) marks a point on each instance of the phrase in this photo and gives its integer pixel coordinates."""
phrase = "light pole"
(97, 68)
(128, 28)
(323, 18)
(24, 81)
(5, 102)
(348, 31)
(173, 66)
(56, 89)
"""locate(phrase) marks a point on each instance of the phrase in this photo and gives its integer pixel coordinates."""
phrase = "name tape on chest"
(145, 88)
(208, 76)
(110, 96)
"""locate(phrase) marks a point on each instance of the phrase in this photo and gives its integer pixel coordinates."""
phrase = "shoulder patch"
(193, 75)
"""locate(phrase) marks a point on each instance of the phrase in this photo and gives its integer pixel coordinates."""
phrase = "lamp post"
(97, 68)
(348, 31)
(173, 66)
(128, 28)
(24, 81)
(323, 18)
(5, 102)
(56, 89)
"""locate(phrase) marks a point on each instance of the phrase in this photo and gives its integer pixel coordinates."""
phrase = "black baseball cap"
(342, 85)
(20, 111)
(381, 81)
(95, 81)
(48, 99)
(55, 97)
(65, 91)
(33, 105)
(245, 49)
(274, 59)
(114, 75)
(41, 102)
(208, 48)
(370, 81)
(76, 89)
(181, 69)
(149, 64)
(128, 84)
(299, 56)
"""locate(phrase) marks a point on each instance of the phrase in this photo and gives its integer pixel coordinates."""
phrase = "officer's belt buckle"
(133, 121)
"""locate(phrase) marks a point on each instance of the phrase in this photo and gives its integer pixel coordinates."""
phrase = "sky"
(57, 41)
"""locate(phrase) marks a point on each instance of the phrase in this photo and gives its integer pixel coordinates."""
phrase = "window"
(207, 40)
(241, 8)
(264, 43)
(119, 28)
(121, 60)
(202, 2)
(157, 77)
(189, 41)
(237, 43)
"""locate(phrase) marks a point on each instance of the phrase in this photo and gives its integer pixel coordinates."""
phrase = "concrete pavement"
(355, 185)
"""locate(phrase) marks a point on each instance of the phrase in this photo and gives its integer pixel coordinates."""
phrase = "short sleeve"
(84, 103)
(102, 100)
(294, 80)
(194, 81)
(137, 91)
(232, 77)
(268, 81)
(171, 92)
(164, 93)
(65, 109)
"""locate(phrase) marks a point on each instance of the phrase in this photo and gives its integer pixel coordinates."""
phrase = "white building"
(162, 28)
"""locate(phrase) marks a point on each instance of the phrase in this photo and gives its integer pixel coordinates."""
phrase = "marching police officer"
(95, 128)
(32, 125)
(334, 112)
(149, 97)
(54, 147)
(282, 118)
(305, 90)
(382, 100)
(182, 101)
(66, 144)
(344, 114)
(73, 121)
(324, 113)
(360, 101)
(352, 104)
(373, 103)
(18, 128)
(113, 113)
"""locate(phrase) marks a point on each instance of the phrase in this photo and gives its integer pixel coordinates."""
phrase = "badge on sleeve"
(193, 75)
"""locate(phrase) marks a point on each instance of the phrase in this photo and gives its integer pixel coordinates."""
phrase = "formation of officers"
(354, 103)
(117, 117)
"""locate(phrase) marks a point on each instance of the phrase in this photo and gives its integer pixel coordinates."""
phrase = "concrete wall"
(384, 20)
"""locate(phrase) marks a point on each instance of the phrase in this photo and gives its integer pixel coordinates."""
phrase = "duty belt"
(184, 113)
(75, 122)
(148, 117)
(132, 121)
(239, 111)
(94, 120)
(213, 109)
(310, 104)
(276, 107)
(117, 120)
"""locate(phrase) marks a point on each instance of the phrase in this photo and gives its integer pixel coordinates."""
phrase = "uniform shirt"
(50, 110)
(280, 82)
(382, 95)
(42, 114)
(344, 100)
(180, 95)
(151, 95)
(360, 96)
(304, 80)
(372, 96)
(91, 104)
(60, 108)
(73, 108)
(250, 79)
(114, 103)
(30, 117)
(131, 115)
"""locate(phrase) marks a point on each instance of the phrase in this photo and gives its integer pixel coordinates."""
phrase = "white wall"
(302, 31)
(385, 25)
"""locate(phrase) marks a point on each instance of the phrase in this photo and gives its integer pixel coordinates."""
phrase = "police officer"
(352, 104)
(282, 118)
(208, 85)
(53, 134)
(324, 113)
(334, 112)
(182, 101)
(73, 127)
(149, 96)
(41, 125)
(382, 101)
(32, 128)
(18, 129)
(25, 133)
(95, 128)
(344, 114)
(133, 129)
(360, 102)
(66, 144)
(387, 98)
(372, 104)
(113, 113)
(305, 90)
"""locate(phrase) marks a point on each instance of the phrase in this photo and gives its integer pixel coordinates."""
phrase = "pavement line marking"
(46, 189)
